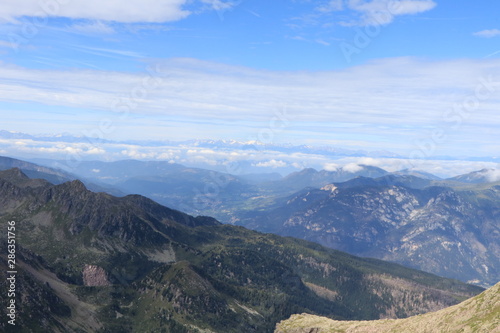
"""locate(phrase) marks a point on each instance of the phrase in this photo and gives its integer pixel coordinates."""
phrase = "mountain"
(52, 175)
(478, 314)
(312, 178)
(417, 173)
(446, 231)
(208, 192)
(192, 190)
(36, 171)
(477, 177)
(91, 262)
(115, 172)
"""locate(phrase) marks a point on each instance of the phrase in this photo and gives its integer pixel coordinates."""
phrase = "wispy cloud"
(91, 28)
(331, 6)
(108, 52)
(487, 33)
(401, 98)
(109, 10)
(323, 20)
(382, 12)
(9, 44)
(221, 5)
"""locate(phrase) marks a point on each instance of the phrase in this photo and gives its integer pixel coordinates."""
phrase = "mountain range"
(92, 262)
(446, 230)
(410, 217)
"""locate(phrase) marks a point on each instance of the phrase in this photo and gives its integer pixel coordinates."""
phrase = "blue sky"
(417, 77)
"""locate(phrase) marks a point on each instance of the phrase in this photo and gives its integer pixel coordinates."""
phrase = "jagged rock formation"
(478, 314)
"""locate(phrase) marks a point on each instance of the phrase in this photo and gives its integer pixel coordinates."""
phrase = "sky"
(420, 78)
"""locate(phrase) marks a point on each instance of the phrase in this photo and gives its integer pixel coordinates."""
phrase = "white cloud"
(492, 175)
(272, 164)
(352, 167)
(381, 12)
(487, 33)
(109, 10)
(331, 166)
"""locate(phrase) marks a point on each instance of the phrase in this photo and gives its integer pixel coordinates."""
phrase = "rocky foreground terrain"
(478, 314)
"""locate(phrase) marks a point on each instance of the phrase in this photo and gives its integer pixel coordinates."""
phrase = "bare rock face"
(95, 276)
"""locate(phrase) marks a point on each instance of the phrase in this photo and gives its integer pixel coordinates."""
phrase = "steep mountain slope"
(94, 262)
(448, 232)
(478, 314)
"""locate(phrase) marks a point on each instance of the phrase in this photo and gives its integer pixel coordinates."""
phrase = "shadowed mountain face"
(478, 314)
(448, 232)
(94, 262)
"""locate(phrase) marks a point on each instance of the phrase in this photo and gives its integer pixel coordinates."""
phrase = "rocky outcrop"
(95, 276)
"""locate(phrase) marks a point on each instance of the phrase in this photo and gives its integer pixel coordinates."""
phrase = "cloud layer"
(232, 157)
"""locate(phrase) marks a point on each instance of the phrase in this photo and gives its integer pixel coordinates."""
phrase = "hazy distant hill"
(36, 171)
(477, 177)
(53, 175)
(90, 261)
(312, 178)
(478, 314)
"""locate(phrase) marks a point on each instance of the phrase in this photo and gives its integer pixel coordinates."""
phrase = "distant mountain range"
(448, 227)
(451, 232)
(91, 262)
